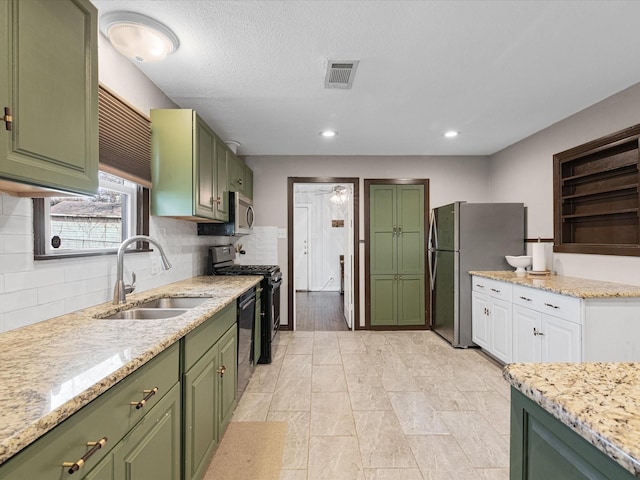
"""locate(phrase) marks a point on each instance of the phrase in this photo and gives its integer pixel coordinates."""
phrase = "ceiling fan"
(339, 194)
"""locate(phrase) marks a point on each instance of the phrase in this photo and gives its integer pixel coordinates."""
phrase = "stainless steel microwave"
(240, 222)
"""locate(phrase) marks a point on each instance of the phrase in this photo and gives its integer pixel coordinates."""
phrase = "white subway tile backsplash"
(17, 244)
(38, 313)
(32, 291)
(16, 225)
(18, 300)
(15, 262)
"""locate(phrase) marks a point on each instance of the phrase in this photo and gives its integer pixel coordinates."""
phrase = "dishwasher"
(246, 319)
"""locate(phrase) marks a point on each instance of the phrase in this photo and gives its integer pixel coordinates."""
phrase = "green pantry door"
(397, 273)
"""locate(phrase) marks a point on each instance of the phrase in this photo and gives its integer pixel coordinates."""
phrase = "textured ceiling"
(498, 71)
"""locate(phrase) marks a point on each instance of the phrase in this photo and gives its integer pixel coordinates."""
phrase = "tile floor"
(383, 405)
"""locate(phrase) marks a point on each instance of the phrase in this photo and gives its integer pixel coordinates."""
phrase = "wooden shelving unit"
(597, 196)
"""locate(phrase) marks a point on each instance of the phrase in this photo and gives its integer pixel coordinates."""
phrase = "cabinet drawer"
(561, 306)
(110, 415)
(197, 342)
(491, 287)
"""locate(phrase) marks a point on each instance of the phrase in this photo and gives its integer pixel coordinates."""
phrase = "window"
(85, 225)
(596, 196)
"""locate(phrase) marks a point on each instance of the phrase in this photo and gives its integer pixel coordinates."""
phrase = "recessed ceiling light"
(328, 133)
(451, 134)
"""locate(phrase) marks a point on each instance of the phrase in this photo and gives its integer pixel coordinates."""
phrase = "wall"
(451, 179)
(33, 291)
(523, 172)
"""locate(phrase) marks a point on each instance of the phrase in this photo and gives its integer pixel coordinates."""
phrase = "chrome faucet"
(120, 290)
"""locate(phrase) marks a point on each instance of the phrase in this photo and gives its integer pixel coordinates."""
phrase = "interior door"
(301, 247)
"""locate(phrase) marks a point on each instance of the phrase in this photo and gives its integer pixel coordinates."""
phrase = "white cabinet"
(491, 317)
(547, 326)
(516, 323)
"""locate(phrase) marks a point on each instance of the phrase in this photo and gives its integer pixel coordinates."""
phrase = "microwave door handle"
(250, 216)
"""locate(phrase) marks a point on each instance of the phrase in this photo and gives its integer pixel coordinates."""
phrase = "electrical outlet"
(282, 233)
(155, 267)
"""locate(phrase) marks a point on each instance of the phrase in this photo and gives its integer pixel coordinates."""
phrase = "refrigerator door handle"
(433, 267)
(433, 232)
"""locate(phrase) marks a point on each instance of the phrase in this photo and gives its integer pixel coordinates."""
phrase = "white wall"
(523, 172)
(33, 291)
(451, 179)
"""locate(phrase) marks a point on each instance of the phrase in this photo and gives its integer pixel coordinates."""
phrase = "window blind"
(124, 139)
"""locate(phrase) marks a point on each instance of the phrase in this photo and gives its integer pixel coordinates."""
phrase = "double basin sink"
(166, 307)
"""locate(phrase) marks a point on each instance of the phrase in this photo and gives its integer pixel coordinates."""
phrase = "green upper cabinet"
(240, 176)
(49, 86)
(189, 168)
(396, 260)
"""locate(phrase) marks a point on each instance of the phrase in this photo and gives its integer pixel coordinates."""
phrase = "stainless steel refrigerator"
(463, 237)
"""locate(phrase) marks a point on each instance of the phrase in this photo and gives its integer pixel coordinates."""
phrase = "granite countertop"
(53, 368)
(599, 401)
(571, 286)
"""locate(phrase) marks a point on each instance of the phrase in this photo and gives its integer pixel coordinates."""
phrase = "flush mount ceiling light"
(328, 133)
(138, 37)
(451, 134)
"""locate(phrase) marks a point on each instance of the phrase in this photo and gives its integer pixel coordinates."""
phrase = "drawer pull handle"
(479, 286)
(537, 332)
(95, 446)
(221, 371)
(525, 299)
(551, 306)
(148, 395)
(495, 290)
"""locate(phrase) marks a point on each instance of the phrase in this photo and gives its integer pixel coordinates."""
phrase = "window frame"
(41, 237)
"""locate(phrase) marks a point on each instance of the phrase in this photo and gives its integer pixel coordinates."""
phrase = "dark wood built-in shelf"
(597, 196)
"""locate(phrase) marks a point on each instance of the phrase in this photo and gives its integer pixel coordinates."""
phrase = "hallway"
(383, 406)
(320, 311)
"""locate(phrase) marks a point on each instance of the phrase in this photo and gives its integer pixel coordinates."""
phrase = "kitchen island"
(52, 369)
(575, 420)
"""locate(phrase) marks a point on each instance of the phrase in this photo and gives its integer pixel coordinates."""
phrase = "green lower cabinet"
(397, 300)
(543, 448)
(209, 392)
(150, 450)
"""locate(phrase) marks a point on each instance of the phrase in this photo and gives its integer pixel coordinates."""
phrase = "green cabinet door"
(384, 300)
(397, 285)
(248, 183)
(228, 361)
(188, 167)
(205, 168)
(410, 234)
(411, 299)
(49, 81)
(383, 227)
(542, 448)
(200, 386)
(152, 448)
(222, 181)
(236, 173)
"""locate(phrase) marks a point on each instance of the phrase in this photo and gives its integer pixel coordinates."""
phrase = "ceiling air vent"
(340, 73)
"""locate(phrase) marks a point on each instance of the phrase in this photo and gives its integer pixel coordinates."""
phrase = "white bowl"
(520, 263)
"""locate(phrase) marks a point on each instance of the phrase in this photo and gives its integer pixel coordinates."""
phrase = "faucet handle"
(132, 287)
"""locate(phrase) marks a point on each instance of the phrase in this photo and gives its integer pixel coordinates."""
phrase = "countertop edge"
(585, 289)
(14, 444)
(569, 419)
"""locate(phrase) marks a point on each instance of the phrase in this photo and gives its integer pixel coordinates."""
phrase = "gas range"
(271, 272)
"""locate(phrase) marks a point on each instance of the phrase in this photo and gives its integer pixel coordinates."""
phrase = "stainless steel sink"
(146, 314)
(174, 302)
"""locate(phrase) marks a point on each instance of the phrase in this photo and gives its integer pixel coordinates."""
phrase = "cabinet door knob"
(221, 371)
(537, 332)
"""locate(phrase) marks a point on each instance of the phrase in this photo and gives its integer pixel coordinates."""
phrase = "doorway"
(323, 292)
